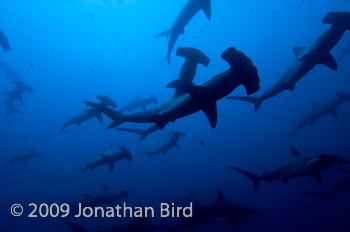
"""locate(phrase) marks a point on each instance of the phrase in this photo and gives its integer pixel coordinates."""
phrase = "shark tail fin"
(75, 227)
(251, 176)
(255, 100)
(322, 195)
(164, 33)
(117, 117)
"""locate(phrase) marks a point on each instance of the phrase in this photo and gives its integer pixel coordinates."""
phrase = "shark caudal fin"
(164, 33)
(143, 133)
(117, 117)
(251, 176)
(341, 19)
(255, 100)
(75, 227)
(206, 7)
(322, 195)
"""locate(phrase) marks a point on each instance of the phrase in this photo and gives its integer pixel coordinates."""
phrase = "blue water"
(63, 40)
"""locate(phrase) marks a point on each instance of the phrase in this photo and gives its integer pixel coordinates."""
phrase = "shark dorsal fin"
(315, 104)
(220, 196)
(294, 151)
(317, 176)
(298, 51)
(206, 7)
(105, 188)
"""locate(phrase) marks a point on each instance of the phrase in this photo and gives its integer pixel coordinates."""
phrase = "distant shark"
(24, 157)
(307, 58)
(298, 166)
(4, 42)
(193, 57)
(342, 185)
(9, 72)
(110, 159)
(198, 98)
(106, 197)
(345, 52)
(16, 94)
(187, 13)
(136, 225)
(222, 208)
(321, 110)
(89, 113)
(140, 103)
(171, 142)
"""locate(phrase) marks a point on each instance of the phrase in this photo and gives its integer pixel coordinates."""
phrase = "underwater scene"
(174, 115)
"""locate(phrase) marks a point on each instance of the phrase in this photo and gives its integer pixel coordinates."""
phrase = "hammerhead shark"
(298, 166)
(140, 103)
(221, 208)
(4, 42)
(204, 97)
(137, 225)
(193, 57)
(106, 159)
(171, 142)
(187, 13)
(307, 58)
(321, 110)
(342, 185)
(345, 52)
(106, 197)
(89, 113)
(9, 72)
(16, 94)
(24, 157)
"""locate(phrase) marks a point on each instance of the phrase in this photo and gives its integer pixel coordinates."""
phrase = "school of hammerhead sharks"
(189, 99)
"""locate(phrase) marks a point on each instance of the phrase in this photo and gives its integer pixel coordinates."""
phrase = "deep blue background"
(63, 41)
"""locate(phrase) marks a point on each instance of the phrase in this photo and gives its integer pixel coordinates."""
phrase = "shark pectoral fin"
(325, 59)
(298, 51)
(160, 121)
(317, 176)
(334, 113)
(206, 7)
(330, 62)
(111, 166)
(212, 114)
(220, 195)
(315, 104)
(99, 118)
(105, 188)
(176, 84)
(294, 151)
